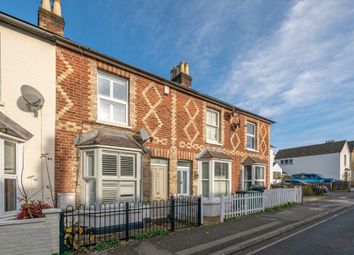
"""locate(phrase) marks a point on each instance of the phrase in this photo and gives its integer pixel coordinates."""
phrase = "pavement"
(235, 235)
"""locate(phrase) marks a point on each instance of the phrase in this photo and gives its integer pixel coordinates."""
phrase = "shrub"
(32, 209)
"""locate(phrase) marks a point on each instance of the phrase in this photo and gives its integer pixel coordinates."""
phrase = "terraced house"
(123, 133)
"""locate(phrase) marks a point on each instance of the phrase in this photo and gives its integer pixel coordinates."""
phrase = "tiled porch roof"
(209, 154)
(10, 127)
(108, 137)
(253, 160)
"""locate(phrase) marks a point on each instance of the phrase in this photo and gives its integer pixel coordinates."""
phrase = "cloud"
(308, 60)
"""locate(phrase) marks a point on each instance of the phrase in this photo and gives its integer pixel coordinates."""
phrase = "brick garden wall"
(176, 121)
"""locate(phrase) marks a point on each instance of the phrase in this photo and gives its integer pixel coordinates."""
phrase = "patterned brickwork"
(175, 120)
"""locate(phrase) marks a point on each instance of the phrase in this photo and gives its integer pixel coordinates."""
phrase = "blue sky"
(291, 61)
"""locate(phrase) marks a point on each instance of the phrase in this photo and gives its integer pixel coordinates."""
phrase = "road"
(334, 235)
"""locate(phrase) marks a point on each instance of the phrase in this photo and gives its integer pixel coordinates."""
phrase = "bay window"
(112, 99)
(215, 178)
(110, 176)
(253, 175)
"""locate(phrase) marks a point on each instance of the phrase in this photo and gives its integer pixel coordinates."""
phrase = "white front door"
(183, 173)
(159, 179)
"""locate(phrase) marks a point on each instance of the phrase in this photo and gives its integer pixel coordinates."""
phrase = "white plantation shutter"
(10, 158)
(90, 191)
(127, 191)
(127, 166)
(104, 87)
(90, 157)
(109, 191)
(109, 165)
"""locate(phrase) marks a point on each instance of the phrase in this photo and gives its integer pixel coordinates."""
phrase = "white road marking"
(296, 233)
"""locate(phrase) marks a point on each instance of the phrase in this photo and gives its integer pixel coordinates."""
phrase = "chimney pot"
(46, 5)
(57, 8)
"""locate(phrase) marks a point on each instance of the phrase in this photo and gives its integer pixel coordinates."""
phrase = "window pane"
(103, 87)
(212, 133)
(179, 182)
(221, 170)
(205, 188)
(90, 157)
(247, 185)
(205, 170)
(183, 164)
(10, 158)
(259, 172)
(212, 118)
(250, 128)
(109, 191)
(119, 112)
(109, 164)
(127, 191)
(104, 110)
(220, 188)
(127, 166)
(90, 192)
(120, 91)
(248, 173)
(251, 142)
(184, 182)
(259, 183)
(10, 195)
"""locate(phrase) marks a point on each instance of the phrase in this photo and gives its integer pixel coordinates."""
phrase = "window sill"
(252, 150)
(114, 124)
(214, 142)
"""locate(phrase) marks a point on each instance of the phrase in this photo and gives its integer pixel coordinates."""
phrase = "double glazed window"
(251, 136)
(183, 172)
(286, 161)
(212, 126)
(253, 175)
(8, 174)
(215, 178)
(114, 179)
(112, 99)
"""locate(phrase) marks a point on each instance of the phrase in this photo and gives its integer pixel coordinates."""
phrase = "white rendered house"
(276, 172)
(330, 159)
(25, 59)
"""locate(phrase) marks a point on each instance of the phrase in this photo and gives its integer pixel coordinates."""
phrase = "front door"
(159, 179)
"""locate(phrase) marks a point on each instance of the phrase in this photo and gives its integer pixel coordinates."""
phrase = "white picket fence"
(243, 204)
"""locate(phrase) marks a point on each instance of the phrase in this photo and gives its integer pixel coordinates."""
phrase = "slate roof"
(311, 150)
(10, 127)
(208, 154)
(351, 145)
(253, 160)
(108, 137)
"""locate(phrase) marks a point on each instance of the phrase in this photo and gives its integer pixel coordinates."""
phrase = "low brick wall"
(35, 236)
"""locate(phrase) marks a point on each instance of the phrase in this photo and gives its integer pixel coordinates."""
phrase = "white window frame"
(212, 177)
(253, 179)
(3, 176)
(99, 177)
(253, 136)
(112, 79)
(182, 169)
(218, 140)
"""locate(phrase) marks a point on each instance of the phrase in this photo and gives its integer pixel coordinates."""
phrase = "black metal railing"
(88, 225)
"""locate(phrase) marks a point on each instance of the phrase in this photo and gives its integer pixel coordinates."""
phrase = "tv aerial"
(143, 136)
(31, 100)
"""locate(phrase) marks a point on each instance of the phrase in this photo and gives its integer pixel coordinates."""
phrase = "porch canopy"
(209, 154)
(253, 161)
(108, 137)
(10, 127)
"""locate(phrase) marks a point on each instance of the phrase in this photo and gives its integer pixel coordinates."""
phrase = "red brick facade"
(176, 121)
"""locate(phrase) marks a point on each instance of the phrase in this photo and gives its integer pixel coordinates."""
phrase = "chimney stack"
(180, 74)
(49, 20)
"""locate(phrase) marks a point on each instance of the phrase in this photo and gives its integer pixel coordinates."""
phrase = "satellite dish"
(31, 100)
(144, 135)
